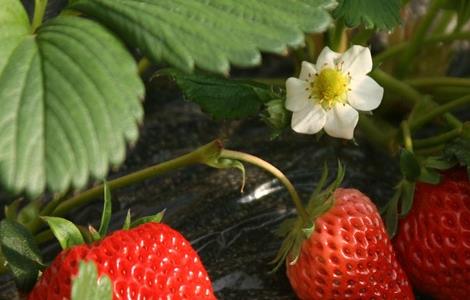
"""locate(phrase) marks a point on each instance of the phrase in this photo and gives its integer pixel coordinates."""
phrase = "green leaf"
(379, 14)
(14, 26)
(21, 252)
(155, 218)
(65, 231)
(220, 97)
(106, 215)
(409, 165)
(210, 34)
(87, 285)
(70, 99)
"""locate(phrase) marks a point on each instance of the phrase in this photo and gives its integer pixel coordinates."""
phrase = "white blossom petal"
(327, 58)
(365, 94)
(357, 61)
(307, 69)
(296, 94)
(310, 120)
(341, 121)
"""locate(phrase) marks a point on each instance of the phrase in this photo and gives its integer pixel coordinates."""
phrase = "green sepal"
(89, 234)
(228, 163)
(106, 214)
(21, 253)
(391, 214)
(276, 116)
(406, 197)
(29, 213)
(157, 218)
(458, 149)
(295, 230)
(127, 221)
(429, 175)
(86, 285)
(409, 165)
(65, 231)
(11, 210)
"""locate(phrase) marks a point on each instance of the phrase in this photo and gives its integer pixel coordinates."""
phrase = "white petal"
(296, 94)
(357, 61)
(327, 58)
(365, 94)
(310, 120)
(341, 121)
(307, 69)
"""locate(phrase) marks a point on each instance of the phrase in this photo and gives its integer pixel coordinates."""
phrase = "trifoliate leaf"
(70, 99)
(223, 98)
(379, 14)
(87, 285)
(65, 231)
(21, 252)
(210, 34)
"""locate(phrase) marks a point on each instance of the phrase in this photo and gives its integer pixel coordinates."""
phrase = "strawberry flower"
(329, 94)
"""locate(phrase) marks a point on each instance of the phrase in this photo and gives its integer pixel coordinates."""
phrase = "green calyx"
(296, 230)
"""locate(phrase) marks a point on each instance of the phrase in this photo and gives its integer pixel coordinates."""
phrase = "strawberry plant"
(388, 74)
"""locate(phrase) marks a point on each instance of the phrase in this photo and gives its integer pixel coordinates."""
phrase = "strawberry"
(151, 261)
(348, 255)
(433, 240)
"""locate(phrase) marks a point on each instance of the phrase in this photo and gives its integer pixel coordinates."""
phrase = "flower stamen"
(330, 87)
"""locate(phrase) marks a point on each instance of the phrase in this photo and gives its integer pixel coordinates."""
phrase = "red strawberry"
(151, 261)
(433, 241)
(349, 255)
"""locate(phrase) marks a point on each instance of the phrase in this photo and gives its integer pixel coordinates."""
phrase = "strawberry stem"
(39, 11)
(202, 155)
(245, 157)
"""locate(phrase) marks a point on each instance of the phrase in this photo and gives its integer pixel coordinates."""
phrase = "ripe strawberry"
(151, 261)
(348, 255)
(433, 241)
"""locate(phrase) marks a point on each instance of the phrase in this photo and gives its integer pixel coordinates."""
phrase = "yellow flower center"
(329, 87)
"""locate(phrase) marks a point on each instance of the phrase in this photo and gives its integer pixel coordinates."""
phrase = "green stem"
(438, 139)
(445, 108)
(39, 11)
(336, 36)
(275, 172)
(391, 83)
(201, 155)
(399, 48)
(439, 81)
(419, 37)
(407, 139)
(377, 135)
